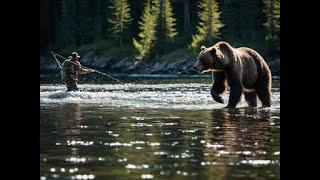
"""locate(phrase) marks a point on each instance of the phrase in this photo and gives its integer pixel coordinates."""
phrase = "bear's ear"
(213, 52)
(203, 48)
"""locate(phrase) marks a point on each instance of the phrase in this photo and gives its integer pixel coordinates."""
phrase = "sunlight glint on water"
(176, 96)
(155, 131)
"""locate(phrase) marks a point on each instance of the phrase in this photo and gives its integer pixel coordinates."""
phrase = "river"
(155, 128)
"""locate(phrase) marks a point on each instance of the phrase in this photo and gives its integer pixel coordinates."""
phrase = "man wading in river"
(70, 70)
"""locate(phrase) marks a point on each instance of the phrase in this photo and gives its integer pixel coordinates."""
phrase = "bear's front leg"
(215, 96)
(235, 88)
(235, 96)
(218, 86)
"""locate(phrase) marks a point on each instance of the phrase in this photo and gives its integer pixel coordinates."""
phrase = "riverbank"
(128, 67)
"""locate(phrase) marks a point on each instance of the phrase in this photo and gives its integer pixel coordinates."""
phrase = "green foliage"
(176, 54)
(243, 21)
(98, 47)
(160, 31)
(272, 24)
(120, 18)
(98, 20)
(85, 26)
(209, 25)
(65, 34)
(158, 28)
(165, 30)
(170, 21)
(103, 48)
(147, 33)
(64, 7)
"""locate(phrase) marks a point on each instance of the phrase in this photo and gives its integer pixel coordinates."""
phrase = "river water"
(155, 128)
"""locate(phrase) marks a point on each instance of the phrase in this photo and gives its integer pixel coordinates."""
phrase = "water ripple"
(171, 96)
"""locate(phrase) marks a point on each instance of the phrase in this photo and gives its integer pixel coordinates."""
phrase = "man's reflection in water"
(71, 124)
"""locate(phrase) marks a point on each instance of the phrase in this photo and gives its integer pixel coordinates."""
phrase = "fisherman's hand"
(87, 70)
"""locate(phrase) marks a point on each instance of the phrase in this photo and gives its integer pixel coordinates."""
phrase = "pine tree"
(61, 23)
(209, 25)
(120, 19)
(147, 33)
(165, 30)
(231, 19)
(157, 28)
(85, 22)
(98, 20)
(170, 21)
(186, 16)
(65, 25)
(272, 12)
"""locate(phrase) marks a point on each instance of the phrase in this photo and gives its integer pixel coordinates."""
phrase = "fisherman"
(70, 70)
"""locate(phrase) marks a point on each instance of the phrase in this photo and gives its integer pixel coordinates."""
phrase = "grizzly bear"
(240, 69)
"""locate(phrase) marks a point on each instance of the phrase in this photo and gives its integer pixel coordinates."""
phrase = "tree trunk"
(271, 18)
(210, 19)
(121, 43)
(73, 22)
(98, 21)
(54, 22)
(161, 14)
(162, 31)
(186, 16)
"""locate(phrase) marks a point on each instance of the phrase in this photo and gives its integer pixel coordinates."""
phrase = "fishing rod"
(56, 60)
(93, 70)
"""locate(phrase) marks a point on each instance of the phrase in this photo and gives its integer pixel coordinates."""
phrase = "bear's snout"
(195, 67)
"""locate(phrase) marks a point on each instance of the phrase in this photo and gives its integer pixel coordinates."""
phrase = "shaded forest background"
(90, 26)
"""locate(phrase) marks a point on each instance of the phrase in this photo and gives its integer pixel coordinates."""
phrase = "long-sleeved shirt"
(72, 68)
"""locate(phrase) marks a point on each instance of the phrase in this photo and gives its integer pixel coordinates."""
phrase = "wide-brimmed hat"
(75, 54)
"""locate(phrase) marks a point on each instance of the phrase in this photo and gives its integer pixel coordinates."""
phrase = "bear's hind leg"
(264, 95)
(251, 98)
(263, 89)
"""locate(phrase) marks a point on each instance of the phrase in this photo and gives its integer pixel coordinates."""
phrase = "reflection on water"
(80, 142)
(155, 129)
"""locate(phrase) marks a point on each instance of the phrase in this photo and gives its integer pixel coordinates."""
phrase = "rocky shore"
(126, 66)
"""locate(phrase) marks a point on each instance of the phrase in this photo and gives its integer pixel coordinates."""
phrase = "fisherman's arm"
(83, 70)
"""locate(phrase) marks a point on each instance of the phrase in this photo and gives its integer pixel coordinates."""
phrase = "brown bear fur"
(240, 69)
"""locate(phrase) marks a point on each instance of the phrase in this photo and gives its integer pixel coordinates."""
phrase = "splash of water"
(169, 96)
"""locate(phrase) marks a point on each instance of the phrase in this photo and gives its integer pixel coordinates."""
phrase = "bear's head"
(209, 59)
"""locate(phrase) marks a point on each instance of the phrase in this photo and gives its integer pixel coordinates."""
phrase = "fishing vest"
(69, 68)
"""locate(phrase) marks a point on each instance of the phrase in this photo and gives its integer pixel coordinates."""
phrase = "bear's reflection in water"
(239, 136)
(242, 128)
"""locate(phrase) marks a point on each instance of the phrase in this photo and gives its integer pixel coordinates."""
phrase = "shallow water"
(159, 128)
